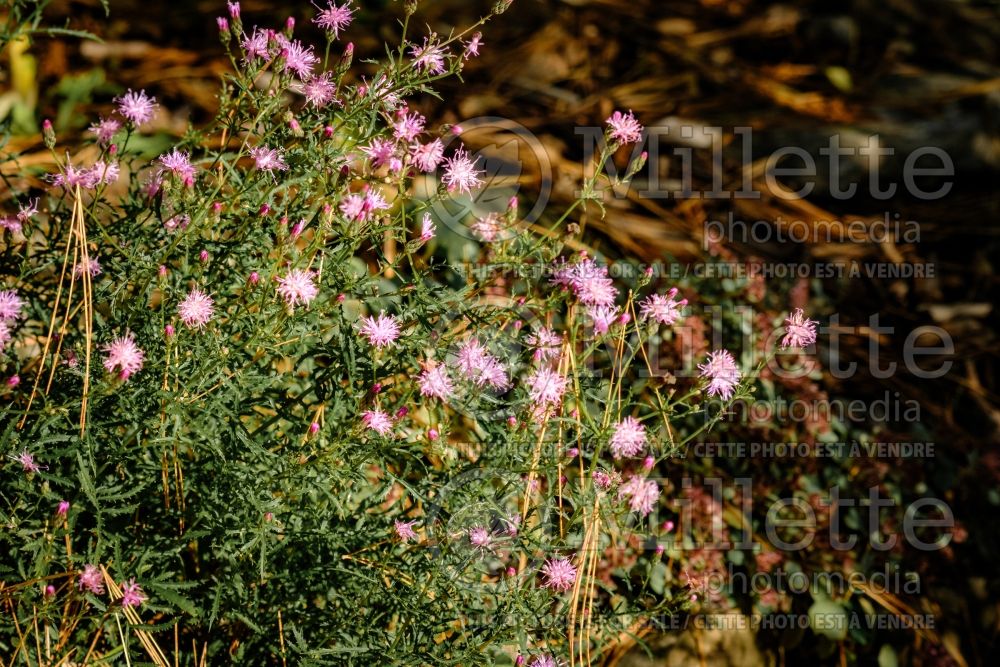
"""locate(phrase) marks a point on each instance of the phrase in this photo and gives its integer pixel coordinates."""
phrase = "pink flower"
(381, 331)
(379, 151)
(132, 594)
(434, 382)
(92, 268)
(427, 157)
(588, 280)
(722, 372)
(404, 530)
(63, 508)
(104, 129)
(256, 45)
(478, 365)
(663, 308)
(378, 421)
(624, 128)
(628, 439)
(297, 287)
(408, 126)
(138, 107)
(546, 386)
(10, 305)
(27, 461)
(603, 317)
(605, 480)
(560, 574)
(319, 90)
(196, 309)
(799, 331)
(644, 494)
(546, 343)
(488, 227)
(480, 537)
(334, 18)
(298, 59)
(472, 47)
(91, 579)
(426, 228)
(543, 661)
(124, 356)
(429, 57)
(460, 172)
(268, 159)
(179, 164)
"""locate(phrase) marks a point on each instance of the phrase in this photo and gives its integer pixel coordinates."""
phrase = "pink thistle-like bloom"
(124, 357)
(799, 331)
(27, 461)
(427, 157)
(25, 212)
(102, 172)
(663, 308)
(379, 151)
(334, 18)
(378, 421)
(429, 57)
(10, 305)
(603, 317)
(132, 594)
(460, 172)
(543, 661)
(488, 227)
(546, 386)
(176, 222)
(546, 343)
(196, 309)
(605, 480)
(353, 206)
(408, 126)
(268, 159)
(722, 372)
(298, 59)
(560, 574)
(480, 537)
(426, 228)
(179, 164)
(256, 45)
(319, 90)
(381, 331)
(628, 439)
(63, 508)
(92, 267)
(644, 494)
(104, 129)
(91, 579)
(624, 128)
(404, 530)
(138, 107)
(472, 47)
(297, 287)
(478, 365)
(434, 382)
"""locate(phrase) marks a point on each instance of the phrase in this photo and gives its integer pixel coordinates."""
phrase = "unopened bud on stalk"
(48, 134)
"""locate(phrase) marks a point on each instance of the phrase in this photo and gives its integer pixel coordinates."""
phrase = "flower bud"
(168, 330)
(48, 134)
(314, 428)
(13, 380)
(63, 508)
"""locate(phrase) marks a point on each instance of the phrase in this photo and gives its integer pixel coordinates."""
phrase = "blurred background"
(916, 73)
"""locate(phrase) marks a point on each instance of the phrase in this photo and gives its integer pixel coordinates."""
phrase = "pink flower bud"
(341, 298)
(63, 508)
(512, 204)
(223, 23)
(668, 526)
(168, 330)
(512, 420)
(402, 412)
(659, 549)
(456, 130)
(113, 149)
(47, 125)
(649, 271)
(290, 24)
(50, 590)
(519, 660)
(162, 271)
(217, 206)
(328, 131)
(13, 380)
(433, 434)
(648, 462)
(203, 256)
(264, 209)
(268, 516)
(294, 125)
(625, 318)
(518, 324)
(572, 452)
(314, 428)
(254, 277)
(510, 573)
(376, 388)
